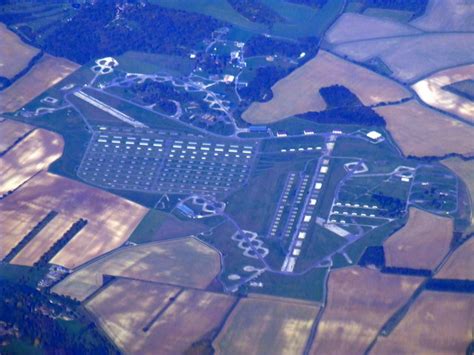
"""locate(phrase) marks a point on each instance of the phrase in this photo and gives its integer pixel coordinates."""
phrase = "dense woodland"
(259, 88)
(35, 317)
(343, 107)
(152, 92)
(114, 27)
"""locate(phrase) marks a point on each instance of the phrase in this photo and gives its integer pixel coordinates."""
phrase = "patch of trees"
(256, 11)
(61, 242)
(393, 206)
(152, 92)
(373, 255)
(339, 96)
(259, 88)
(35, 314)
(106, 28)
(27, 238)
(213, 63)
(343, 107)
(262, 45)
(418, 7)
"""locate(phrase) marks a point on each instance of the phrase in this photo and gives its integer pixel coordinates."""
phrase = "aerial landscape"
(237, 177)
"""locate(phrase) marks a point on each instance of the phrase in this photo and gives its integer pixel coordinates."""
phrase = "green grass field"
(300, 21)
(320, 243)
(150, 63)
(24, 274)
(309, 286)
(158, 225)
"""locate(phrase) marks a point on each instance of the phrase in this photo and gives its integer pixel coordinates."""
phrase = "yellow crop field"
(436, 323)
(420, 131)
(47, 72)
(267, 325)
(185, 261)
(10, 131)
(431, 91)
(360, 301)
(33, 154)
(299, 92)
(422, 243)
(14, 53)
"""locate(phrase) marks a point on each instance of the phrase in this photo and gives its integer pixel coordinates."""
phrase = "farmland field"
(11, 132)
(14, 53)
(431, 315)
(47, 72)
(186, 262)
(262, 324)
(102, 210)
(432, 90)
(33, 154)
(420, 131)
(352, 27)
(237, 177)
(427, 53)
(190, 317)
(166, 318)
(44, 240)
(442, 15)
(301, 88)
(421, 243)
(16, 223)
(122, 318)
(460, 264)
(359, 302)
